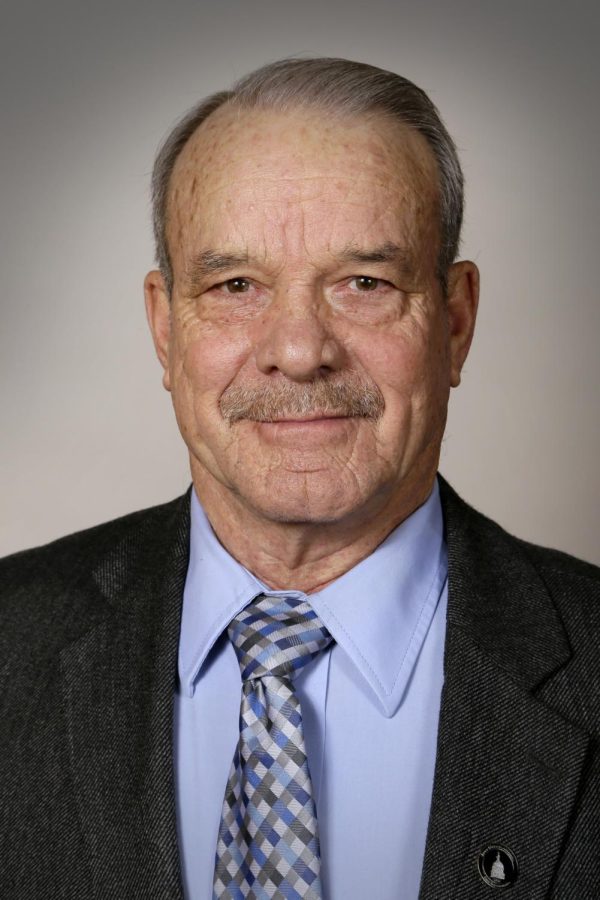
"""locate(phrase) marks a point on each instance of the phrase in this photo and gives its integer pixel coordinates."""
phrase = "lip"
(306, 420)
(298, 433)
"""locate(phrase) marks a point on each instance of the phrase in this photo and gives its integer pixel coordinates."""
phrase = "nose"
(296, 339)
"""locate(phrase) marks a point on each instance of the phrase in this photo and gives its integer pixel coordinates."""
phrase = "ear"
(462, 300)
(158, 313)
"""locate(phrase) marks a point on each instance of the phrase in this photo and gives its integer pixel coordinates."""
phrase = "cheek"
(208, 360)
(411, 369)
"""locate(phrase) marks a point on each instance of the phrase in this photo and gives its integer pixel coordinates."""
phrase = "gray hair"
(339, 86)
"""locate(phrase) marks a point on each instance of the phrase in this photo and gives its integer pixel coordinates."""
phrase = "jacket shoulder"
(556, 565)
(574, 586)
(51, 590)
(479, 545)
(82, 548)
(483, 532)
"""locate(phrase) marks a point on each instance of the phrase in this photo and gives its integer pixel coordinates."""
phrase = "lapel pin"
(497, 866)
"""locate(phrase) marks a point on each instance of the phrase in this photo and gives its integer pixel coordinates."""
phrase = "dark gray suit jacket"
(89, 630)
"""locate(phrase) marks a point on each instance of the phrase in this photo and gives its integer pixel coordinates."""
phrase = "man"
(419, 709)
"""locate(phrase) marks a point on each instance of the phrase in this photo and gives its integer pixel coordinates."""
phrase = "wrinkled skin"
(304, 252)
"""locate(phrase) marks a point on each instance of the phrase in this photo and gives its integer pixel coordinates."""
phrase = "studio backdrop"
(89, 90)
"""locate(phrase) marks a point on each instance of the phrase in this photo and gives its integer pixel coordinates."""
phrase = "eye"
(366, 282)
(236, 285)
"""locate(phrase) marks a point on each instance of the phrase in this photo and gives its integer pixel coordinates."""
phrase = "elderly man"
(319, 674)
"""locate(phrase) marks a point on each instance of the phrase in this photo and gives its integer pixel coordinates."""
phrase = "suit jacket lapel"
(508, 767)
(118, 686)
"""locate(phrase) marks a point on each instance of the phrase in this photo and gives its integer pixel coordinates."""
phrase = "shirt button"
(497, 866)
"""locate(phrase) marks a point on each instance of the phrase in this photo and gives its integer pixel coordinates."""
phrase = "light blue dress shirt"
(370, 706)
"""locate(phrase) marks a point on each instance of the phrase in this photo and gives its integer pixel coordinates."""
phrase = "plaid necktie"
(268, 845)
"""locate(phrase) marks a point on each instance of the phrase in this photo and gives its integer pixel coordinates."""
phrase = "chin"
(316, 504)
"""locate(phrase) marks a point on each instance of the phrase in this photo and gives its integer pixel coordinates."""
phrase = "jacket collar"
(497, 598)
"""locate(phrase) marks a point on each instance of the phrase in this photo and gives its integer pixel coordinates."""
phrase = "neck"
(304, 556)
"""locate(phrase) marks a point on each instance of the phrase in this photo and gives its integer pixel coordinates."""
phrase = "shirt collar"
(217, 587)
(378, 612)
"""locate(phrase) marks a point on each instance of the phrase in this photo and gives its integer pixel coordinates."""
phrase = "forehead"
(264, 175)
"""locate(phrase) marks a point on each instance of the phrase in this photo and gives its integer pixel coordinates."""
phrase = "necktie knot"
(276, 636)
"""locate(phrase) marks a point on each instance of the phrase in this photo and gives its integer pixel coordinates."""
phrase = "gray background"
(88, 90)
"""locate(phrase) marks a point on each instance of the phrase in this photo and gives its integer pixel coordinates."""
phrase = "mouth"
(306, 431)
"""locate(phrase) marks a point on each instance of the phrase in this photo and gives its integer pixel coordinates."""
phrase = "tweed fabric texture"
(89, 629)
(268, 843)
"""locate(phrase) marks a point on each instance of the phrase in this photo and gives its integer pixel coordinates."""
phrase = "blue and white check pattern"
(268, 844)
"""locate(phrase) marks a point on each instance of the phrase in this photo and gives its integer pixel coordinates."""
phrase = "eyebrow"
(387, 252)
(209, 262)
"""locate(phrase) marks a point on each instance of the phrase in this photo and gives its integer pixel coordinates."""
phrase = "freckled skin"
(289, 193)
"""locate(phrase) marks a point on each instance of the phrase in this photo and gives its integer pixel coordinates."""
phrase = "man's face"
(308, 347)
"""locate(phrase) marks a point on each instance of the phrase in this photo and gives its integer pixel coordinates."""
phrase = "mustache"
(350, 396)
